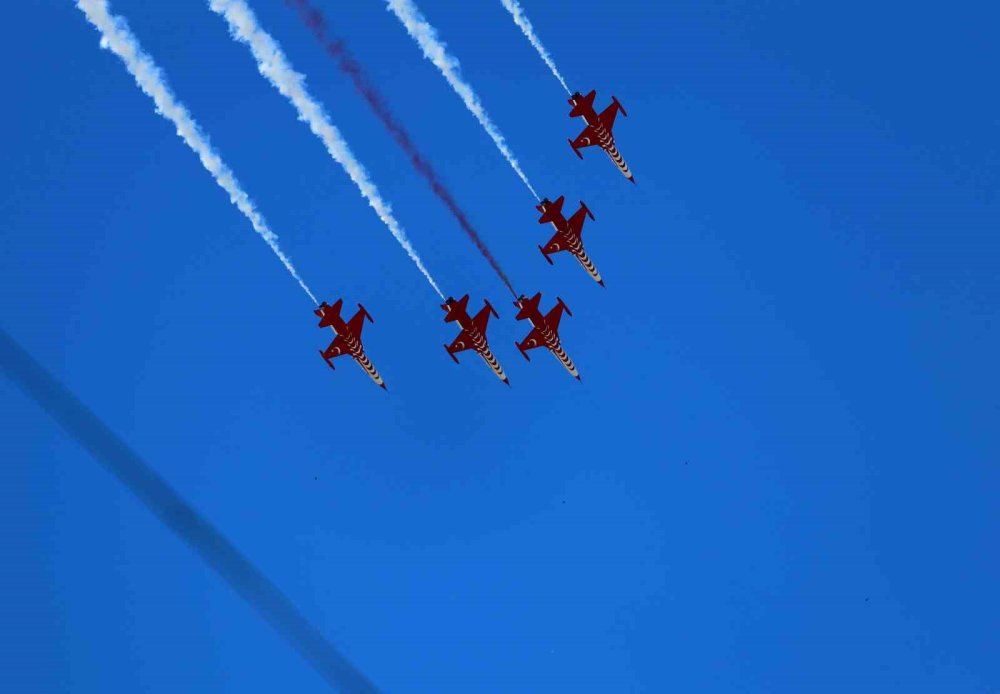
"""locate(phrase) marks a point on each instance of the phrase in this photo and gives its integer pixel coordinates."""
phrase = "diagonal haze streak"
(517, 12)
(314, 19)
(118, 38)
(436, 51)
(182, 519)
(276, 68)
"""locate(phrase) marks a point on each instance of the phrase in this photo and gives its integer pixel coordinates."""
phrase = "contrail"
(180, 517)
(436, 52)
(521, 20)
(273, 65)
(336, 48)
(116, 37)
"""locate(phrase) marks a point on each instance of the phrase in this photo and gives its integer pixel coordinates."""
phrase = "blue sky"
(779, 472)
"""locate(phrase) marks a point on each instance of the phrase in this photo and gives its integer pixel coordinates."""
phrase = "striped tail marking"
(552, 342)
(585, 261)
(492, 362)
(565, 360)
(616, 157)
(369, 368)
(575, 246)
(608, 145)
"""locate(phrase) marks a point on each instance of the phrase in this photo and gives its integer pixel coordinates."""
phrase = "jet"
(348, 340)
(545, 329)
(473, 335)
(568, 232)
(598, 130)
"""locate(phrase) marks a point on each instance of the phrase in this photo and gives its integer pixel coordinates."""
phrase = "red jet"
(568, 232)
(598, 130)
(545, 329)
(473, 335)
(348, 340)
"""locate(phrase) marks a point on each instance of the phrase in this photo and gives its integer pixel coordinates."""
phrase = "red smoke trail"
(314, 19)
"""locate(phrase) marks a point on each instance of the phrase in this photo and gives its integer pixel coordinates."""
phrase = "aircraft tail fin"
(527, 306)
(582, 104)
(551, 210)
(327, 313)
(455, 308)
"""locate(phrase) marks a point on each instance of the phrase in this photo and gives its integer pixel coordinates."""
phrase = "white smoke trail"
(116, 37)
(522, 21)
(273, 65)
(435, 51)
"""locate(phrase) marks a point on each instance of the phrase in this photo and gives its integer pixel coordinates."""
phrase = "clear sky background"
(779, 473)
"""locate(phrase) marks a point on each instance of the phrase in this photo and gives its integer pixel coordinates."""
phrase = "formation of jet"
(473, 335)
(348, 340)
(599, 127)
(568, 232)
(544, 329)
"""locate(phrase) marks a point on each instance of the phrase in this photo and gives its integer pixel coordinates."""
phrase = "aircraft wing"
(337, 348)
(585, 139)
(356, 323)
(481, 319)
(607, 116)
(576, 222)
(554, 245)
(534, 340)
(461, 343)
(554, 316)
